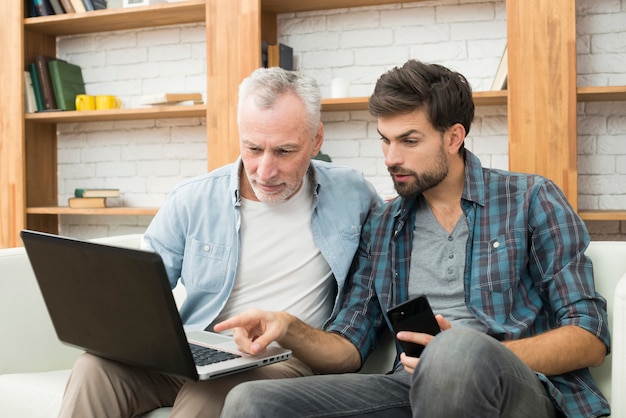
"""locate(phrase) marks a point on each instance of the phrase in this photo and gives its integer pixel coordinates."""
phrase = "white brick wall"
(146, 158)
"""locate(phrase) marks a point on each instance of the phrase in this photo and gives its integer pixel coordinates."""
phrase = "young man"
(500, 256)
(273, 230)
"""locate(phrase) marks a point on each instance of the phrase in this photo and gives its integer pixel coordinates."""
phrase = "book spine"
(285, 57)
(79, 7)
(99, 4)
(47, 92)
(67, 6)
(56, 6)
(88, 5)
(32, 69)
(57, 86)
(31, 11)
(30, 103)
(42, 8)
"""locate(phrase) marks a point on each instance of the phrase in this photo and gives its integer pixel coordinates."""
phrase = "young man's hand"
(410, 363)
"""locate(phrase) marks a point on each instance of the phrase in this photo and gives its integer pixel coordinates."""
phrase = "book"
(67, 6)
(78, 5)
(31, 11)
(88, 5)
(99, 4)
(43, 8)
(264, 46)
(34, 77)
(280, 55)
(67, 82)
(285, 54)
(273, 56)
(56, 7)
(45, 82)
(87, 202)
(170, 98)
(30, 103)
(96, 192)
(500, 79)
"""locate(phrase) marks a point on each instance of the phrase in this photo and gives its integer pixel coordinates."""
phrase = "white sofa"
(32, 384)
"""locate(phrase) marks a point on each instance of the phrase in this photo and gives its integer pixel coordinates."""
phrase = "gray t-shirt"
(438, 265)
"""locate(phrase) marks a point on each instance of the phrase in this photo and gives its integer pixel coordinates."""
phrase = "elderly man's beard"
(420, 182)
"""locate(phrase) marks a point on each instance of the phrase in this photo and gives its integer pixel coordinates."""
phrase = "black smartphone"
(414, 315)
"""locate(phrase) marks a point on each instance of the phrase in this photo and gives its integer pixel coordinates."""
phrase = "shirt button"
(496, 244)
(451, 256)
(450, 238)
(207, 248)
(450, 271)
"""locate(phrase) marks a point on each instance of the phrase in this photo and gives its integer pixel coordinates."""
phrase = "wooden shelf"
(188, 11)
(483, 98)
(603, 215)
(64, 210)
(601, 94)
(157, 112)
(290, 6)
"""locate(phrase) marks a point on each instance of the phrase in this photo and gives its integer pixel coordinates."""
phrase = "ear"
(456, 137)
(318, 140)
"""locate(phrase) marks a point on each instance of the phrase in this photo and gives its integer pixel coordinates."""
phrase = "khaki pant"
(103, 388)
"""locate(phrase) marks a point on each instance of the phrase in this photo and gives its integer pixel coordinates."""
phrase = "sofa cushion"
(33, 395)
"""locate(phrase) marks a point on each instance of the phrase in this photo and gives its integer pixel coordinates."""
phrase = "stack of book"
(59, 7)
(54, 83)
(171, 99)
(92, 198)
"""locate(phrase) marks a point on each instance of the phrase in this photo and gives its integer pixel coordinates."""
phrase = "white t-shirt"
(281, 268)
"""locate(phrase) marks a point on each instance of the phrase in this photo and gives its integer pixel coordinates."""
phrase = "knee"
(245, 400)
(457, 352)
(87, 364)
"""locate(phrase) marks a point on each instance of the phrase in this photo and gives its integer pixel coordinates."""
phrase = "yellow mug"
(107, 102)
(85, 102)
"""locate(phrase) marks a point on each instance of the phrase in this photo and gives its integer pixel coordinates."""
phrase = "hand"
(410, 363)
(255, 329)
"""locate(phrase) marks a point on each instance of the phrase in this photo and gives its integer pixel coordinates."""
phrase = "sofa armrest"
(618, 351)
(25, 326)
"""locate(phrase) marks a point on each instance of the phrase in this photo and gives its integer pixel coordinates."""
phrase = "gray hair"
(267, 84)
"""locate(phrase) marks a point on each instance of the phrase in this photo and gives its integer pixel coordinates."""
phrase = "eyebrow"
(402, 135)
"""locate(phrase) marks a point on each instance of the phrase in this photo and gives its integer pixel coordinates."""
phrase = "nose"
(267, 167)
(393, 154)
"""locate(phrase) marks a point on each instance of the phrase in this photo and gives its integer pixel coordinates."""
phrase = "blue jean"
(462, 373)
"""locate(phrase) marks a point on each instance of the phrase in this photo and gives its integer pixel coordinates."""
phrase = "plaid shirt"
(526, 271)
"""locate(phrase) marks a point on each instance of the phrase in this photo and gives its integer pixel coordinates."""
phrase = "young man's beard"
(421, 182)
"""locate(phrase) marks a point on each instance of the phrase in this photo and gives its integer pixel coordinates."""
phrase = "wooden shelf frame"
(157, 112)
(109, 20)
(481, 98)
(64, 210)
(234, 29)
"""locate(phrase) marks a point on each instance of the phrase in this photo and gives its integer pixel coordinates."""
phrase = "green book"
(32, 69)
(67, 82)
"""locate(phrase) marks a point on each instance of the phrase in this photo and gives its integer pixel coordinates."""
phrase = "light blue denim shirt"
(196, 232)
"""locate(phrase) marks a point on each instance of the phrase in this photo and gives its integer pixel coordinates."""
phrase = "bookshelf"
(542, 32)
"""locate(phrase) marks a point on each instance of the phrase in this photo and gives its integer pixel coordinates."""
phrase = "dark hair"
(444, 95)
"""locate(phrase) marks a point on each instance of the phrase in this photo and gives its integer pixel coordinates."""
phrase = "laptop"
(117, 303)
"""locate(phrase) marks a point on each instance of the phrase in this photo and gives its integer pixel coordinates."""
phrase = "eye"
(385, 140)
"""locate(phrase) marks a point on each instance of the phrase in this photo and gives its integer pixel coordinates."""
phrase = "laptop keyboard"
(205, 355)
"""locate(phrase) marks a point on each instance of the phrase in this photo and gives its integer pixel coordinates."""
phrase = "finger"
(414, 337)
(244, 319)
(409, 363)
(444, 324)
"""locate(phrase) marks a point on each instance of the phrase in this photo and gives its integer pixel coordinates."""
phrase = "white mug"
(339, 87)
